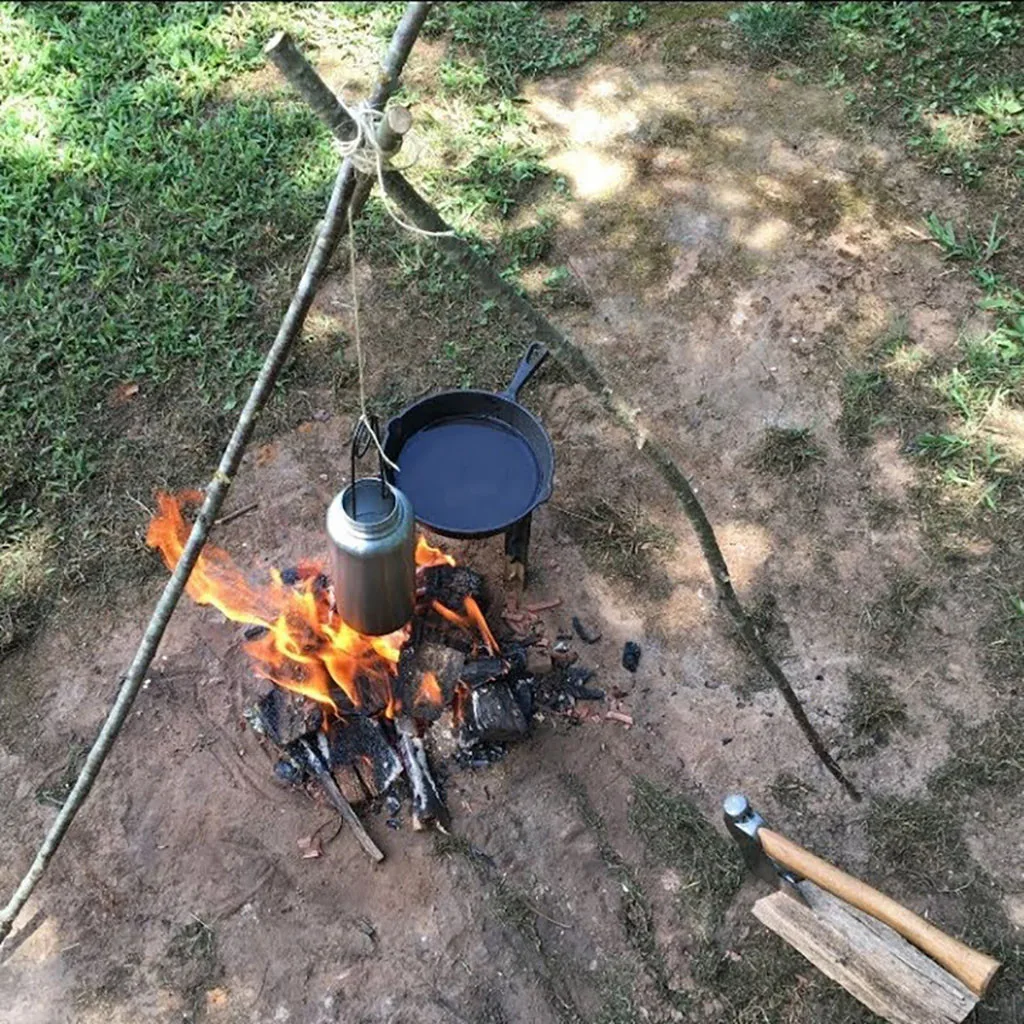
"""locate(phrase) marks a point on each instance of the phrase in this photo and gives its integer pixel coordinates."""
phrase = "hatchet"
(782, 862)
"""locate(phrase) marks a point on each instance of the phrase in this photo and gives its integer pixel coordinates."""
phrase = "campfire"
(354, 713)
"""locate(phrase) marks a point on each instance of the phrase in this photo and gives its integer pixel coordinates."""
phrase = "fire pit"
(367, 718)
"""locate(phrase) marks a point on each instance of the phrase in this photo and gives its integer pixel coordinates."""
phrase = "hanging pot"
(372, 534)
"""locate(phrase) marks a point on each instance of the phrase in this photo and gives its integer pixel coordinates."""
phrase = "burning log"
(491, 714)
(427, 806)
(427, 676)
(285, 717)
(452, 584)
(360, 744)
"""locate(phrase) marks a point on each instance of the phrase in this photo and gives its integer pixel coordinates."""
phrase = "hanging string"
(367, 156)
(364, 417)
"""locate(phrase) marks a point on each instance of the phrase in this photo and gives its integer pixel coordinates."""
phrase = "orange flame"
(426, 555)
(473, 618)
(306, 648)
(430, 691)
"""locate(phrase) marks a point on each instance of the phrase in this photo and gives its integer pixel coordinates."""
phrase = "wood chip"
(311, 847)
(543, 606)
(619, 716)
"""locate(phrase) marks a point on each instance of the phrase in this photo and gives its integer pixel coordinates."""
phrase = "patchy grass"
(791, 791)
(894, 616)
(619, 540)
(918, 840)
(862, 395)
(873, 711)
(678, 835)
(191, 964)
(784, 451)
(54, 791)
(952, 75)
(765, 981)
(636, 915)
(989, 754)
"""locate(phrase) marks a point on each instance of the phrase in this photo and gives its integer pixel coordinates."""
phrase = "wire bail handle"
(364, 434)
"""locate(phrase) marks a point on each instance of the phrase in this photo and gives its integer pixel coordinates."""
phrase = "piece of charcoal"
(286, 716)
(452, 584)
(254, 632)
(588, 636)
(393, 823)
(360, 743)
(523, 693)
(630, 656)
(483, 755)
(393, 804)
(492, 715)
(288, 772)
(517, 661)
(483, 670)
(291, 576)
(562, 654)
(576, 679)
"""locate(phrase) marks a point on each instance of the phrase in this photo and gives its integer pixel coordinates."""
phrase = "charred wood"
(483, 670)
(491, 714)
(452, 584)
(360, 744)
(428, 808)
(285, 717)
(315, 764)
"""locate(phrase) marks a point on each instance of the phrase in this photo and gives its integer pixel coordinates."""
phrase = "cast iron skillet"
(473, 463)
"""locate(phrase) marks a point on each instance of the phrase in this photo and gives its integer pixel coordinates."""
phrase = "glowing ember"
(430, 691)
(306, 648)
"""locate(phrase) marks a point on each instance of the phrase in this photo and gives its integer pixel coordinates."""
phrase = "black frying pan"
(473, 463)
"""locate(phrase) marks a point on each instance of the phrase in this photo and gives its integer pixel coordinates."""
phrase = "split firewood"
(427, 806)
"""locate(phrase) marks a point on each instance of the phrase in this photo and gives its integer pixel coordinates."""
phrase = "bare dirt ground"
(736, 248)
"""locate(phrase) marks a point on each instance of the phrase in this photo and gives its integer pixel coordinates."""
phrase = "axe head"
(743, 823)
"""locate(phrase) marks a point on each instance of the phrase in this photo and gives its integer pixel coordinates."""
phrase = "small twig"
(237, 514)
(341, 805)
(619, 716)
(544, 606)
(135, 501)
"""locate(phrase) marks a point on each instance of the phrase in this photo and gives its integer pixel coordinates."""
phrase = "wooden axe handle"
(976, 970)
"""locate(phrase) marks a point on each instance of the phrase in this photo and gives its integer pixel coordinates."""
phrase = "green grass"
(784, 451)
(157, 202)
(874, 711)
(862, 395)
(951, 74)
(621, 541)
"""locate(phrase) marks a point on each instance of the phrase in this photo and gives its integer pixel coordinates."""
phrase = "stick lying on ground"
(586, 373)
(325, 105)
(331, 229)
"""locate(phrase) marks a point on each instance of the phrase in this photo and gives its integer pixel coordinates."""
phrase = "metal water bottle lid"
(372, 532)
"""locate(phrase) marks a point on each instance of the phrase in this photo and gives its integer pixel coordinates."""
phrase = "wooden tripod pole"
(331, 229)
(583, 370)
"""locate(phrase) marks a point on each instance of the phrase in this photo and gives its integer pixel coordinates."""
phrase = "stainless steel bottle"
(373, 550)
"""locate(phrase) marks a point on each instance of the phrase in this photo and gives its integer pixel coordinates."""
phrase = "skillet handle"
(528, 366)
